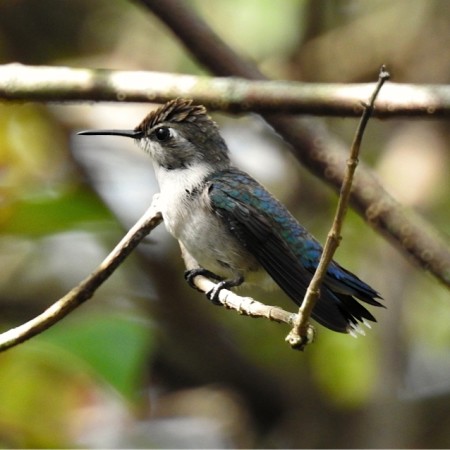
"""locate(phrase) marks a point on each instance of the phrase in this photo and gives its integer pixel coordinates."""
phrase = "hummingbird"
(230, 224)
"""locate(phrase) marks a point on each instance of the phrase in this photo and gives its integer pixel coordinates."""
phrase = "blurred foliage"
(114, 347)
(39, 387)
(350, 368)
(39, 193)
(147, 362)
(25, 172)
(52, 213)
(48, 380)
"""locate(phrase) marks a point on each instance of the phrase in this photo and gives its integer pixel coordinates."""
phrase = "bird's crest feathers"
(176, 111)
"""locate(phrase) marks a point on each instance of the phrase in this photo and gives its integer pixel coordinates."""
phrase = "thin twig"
(298, 337)
(58, 84)
(87, 287)
(243, 305)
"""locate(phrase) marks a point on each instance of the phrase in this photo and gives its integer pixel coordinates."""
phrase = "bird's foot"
(213, 294)
(189, 276)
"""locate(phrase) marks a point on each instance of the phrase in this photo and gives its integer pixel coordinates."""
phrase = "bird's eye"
(162, 134)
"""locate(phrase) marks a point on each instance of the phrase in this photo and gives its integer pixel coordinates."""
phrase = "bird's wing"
(264, 227)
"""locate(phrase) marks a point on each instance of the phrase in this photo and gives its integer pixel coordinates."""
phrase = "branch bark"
(86, 289)
(243, 305)
(57, 84)
(298, 338)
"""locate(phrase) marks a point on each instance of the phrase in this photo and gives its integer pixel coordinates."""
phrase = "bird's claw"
(189, 276)
(213, 294)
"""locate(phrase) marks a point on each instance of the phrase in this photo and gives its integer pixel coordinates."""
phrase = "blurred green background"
(148, 362)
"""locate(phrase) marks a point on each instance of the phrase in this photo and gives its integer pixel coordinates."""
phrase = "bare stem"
(87, 287)
(57, 84)
(298, 337)
(243, 305)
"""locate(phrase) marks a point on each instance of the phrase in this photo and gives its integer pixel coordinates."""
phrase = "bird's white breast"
(189, 219)
(175, 202)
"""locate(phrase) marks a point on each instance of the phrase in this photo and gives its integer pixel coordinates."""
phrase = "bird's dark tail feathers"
(338, 307)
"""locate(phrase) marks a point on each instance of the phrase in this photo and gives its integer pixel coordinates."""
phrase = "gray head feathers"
(178, 111)
(180, 134)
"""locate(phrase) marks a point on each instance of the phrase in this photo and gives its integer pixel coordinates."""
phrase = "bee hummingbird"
(230, 224)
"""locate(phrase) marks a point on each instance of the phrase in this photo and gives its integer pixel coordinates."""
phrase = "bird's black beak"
(133, 134)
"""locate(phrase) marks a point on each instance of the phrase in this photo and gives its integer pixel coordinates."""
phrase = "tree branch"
(56, 84)
(298, 337)
(85, 290)
(243, 305)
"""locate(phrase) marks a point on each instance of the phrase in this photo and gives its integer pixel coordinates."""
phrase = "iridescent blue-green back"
(286, 250)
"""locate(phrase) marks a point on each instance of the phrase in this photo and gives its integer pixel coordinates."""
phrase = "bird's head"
(178, 135)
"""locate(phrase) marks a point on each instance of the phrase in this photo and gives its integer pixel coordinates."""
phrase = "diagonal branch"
(86, 289)
(298, 337)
